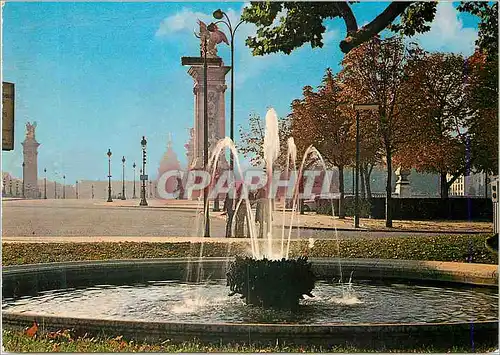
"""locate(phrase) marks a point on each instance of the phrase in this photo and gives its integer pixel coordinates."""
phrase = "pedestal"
(403, 188)
(216, 87)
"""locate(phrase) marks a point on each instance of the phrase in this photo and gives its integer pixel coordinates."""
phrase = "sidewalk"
(311, 220)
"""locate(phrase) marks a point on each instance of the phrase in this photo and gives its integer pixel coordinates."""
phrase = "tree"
(321, 119)
(439, 103)
(302, 22)
(375, 73)
(482, 95)
(252, 140)
(457, 127)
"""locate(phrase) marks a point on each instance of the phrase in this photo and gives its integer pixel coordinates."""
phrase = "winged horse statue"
(211, 37)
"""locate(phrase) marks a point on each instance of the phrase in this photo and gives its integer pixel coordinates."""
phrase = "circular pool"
(389, 303)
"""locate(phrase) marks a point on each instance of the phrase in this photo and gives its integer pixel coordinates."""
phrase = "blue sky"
(100, 75)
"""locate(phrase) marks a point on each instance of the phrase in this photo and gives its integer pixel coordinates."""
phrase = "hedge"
(458, 248)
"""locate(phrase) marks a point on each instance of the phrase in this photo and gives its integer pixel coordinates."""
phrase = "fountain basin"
(29, 280)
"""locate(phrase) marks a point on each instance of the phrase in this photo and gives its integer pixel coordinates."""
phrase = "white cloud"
(448, 32)
(185, 20)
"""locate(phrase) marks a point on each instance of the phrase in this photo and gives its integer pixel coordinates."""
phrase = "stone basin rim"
(245, 326)
(411, 270)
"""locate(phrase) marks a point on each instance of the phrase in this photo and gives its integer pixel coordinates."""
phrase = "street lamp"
(133, 166)
(205, 134)
(219, 15)
(45, 184)
(77, 189)
(144, 177)
(92, 191)
(357, 108)
(23, 179)
(109, 176)
(64, 187)
(123, 178)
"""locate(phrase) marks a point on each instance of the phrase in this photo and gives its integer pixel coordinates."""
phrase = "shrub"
(271, 283)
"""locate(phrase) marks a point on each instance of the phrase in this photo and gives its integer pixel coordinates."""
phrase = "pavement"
(177, 220)
(320, 222)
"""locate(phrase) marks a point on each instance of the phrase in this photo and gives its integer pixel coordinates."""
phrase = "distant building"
(474, 184)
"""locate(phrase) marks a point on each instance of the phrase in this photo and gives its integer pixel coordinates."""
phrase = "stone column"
(30, 152)
(216, 110)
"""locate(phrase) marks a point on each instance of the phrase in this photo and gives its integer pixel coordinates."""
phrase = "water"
(271, 150)
(209, 302)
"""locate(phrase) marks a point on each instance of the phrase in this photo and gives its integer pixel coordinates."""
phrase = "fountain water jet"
(271, 150)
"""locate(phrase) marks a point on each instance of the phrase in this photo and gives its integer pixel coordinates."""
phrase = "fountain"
(256, 278)
(392, 303)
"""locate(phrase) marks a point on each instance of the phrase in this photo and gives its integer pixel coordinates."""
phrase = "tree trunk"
(443, 185)
(341, 190)
(485, 184)
(367, 174)
(301, 200)
(388, 190)
(361, 176)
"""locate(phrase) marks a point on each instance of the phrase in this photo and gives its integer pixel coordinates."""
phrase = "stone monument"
(403, 188)
(30, 152)
(216, 87)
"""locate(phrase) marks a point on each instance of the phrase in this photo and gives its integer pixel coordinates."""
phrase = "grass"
(457, 248)
(63, 341)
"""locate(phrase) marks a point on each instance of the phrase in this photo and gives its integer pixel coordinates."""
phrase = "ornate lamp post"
(45, 184)
(77, 189)
(24, 195)
(64, 187)
(123, 178)
(109, 176)
(205, 134)
(133, 166)
(220, 15)
(143, 202)
(357, 108)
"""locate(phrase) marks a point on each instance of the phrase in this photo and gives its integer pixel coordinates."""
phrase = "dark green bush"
(325, 207)
(271, 283)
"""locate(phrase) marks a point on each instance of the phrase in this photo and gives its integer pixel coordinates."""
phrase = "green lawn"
(458, 248)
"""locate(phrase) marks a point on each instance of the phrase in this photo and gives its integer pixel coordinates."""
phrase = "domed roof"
(169, 160)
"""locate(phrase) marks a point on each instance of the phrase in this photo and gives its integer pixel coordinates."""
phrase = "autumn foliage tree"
(482, 96)
(374, 72)
(320, 119)
(439, 104)
(456, 127)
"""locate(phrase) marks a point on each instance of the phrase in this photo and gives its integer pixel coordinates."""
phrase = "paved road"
(90, 218)
(83, 218)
